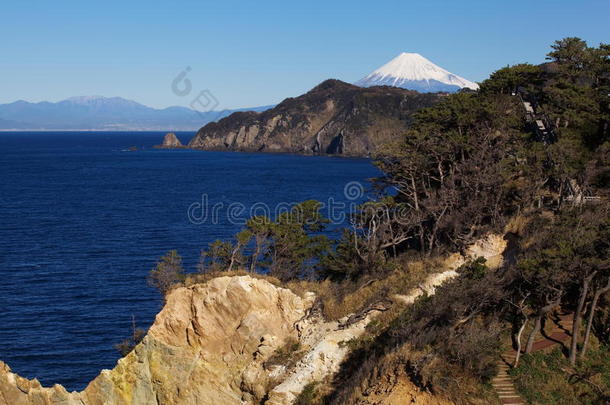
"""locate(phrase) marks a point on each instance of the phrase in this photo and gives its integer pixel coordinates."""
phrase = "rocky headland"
(333, 118)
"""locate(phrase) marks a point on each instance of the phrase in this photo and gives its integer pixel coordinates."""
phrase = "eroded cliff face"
(209, 345)
(196, 352)
(333, 118)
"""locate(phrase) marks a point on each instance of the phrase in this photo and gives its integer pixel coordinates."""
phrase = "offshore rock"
(170, 140)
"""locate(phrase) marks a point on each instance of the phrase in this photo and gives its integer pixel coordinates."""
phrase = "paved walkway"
(556, 331)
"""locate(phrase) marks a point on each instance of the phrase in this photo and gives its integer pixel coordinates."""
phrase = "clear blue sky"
(250, 53)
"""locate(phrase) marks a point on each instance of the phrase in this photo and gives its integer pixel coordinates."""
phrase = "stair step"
(557, 330)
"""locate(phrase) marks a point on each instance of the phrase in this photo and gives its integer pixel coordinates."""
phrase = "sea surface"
(83, 219)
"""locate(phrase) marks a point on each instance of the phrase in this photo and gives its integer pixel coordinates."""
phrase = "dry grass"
(345, 298)
(433, 380)
(287, 355)
(200, 278)
(342, 299)
(516, 225)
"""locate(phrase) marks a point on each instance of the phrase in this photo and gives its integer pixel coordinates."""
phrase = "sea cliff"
(212, 344)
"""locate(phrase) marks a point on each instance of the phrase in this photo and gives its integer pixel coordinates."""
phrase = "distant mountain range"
(104, 113)
(414, 72)
(407, 71)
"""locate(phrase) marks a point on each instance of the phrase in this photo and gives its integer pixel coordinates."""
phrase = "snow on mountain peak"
(85, 99)
(101, 101)
(413, 71)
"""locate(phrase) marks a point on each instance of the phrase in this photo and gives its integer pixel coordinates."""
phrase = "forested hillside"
(527, 157)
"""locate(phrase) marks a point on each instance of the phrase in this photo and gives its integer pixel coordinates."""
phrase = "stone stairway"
(503, 382)
(556, 331)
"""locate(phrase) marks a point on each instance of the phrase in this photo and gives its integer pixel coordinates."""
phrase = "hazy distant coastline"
(97, 113)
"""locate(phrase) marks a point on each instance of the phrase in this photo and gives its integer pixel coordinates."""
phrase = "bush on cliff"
(167, 272)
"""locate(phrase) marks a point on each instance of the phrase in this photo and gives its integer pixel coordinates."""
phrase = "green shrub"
(547, 378)
(167, 272)
(308, 396)
(287, 355)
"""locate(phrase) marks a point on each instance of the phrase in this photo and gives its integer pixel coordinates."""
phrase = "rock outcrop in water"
(170, 141)
(333, 118)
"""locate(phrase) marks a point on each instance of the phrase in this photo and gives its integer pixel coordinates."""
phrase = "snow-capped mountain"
(414, 72)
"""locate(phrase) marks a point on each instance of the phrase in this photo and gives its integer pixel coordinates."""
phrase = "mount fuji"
(414, 72)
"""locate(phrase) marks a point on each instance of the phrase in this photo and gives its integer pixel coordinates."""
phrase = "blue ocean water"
(83, 220)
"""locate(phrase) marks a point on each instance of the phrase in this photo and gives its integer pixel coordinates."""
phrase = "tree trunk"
(422, 243)
(431, 240)
(521, 329)
(257, 252)
(577, 317)
(415, 199)
(598, 294)
(533, 334)
(233, 254)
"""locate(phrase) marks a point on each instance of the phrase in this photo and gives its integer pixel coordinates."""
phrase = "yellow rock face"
(197, 351)
(209, 345)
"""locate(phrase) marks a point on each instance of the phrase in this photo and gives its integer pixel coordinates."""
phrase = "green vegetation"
(528, 156)
(287, 355)
(548, 378)
(284, 247)
(308, 396)
(565, 264)
(167, 273)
